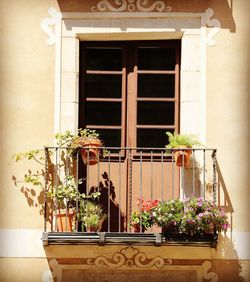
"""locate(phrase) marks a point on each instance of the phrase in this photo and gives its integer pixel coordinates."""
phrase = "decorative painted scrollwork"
(131, 6)
(210, 276)
(214, 23)
(130, 257)
(47, 23)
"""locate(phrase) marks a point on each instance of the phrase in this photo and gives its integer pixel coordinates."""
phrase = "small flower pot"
(95, 228)
(138, 228)
(90, 155)
(182, 156)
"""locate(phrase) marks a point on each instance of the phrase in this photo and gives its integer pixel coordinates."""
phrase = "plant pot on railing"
(178, 144)
(182, 156)
(86, 141)
(90, 150)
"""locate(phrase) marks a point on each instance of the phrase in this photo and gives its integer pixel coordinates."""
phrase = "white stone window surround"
(70, 28)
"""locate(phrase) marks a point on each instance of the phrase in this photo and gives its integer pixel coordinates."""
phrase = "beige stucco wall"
(228, 110)
(27, 121)
(27, 100)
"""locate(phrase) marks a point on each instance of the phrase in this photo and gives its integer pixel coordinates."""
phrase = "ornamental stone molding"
(131, 6)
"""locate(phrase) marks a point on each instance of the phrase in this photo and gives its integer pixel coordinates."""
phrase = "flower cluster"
(143, 218)
(202, 216)
(191, 216)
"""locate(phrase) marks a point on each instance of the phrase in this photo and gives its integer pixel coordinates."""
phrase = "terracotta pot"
(95, 228)
(182, 156)
(138, 228)
(91, 155)
(64, 221)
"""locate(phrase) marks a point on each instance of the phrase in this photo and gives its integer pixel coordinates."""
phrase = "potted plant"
(190, 219)
(180, 145)
(64, 198)
(168, 215)
(202, 217)
(91, 215)
(142, 220)
(85, 140)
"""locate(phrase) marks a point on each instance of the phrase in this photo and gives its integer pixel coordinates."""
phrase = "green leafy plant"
(169, 214)
(66, 194)
(91, 214)
(70, 139)
(75, 141)
(177, 140)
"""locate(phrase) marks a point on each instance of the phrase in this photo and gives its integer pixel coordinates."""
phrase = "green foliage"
(67, 194)
(70, 139)
(144, 218)
(169, 213)
(74, 140)
(90, 213)
(176, 140)
(37, 155)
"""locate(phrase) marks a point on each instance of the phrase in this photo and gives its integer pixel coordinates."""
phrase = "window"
(129, 91)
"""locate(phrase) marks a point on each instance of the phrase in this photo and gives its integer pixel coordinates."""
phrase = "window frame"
(129, 92)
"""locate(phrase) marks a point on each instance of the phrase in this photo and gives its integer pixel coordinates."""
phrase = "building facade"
(54, 54)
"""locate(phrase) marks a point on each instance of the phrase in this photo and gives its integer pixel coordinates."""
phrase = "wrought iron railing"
(123, 178)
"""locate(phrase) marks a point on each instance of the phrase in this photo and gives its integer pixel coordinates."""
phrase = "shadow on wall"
(223, 195)
(231, 270)
(223, 9)
(33, 183)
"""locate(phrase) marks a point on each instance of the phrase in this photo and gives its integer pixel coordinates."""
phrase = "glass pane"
(103, 113)
(155, 113)
(156, 85)
(104, 59)
(153, 58)
(110, 137)
(154, 138)
(103, 86)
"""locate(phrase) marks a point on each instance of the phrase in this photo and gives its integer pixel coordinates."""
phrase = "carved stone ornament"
(131, 6)
(129, 257)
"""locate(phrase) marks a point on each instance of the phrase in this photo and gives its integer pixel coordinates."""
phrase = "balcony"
(121, 176)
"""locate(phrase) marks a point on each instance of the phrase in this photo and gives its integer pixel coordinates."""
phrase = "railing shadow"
(226, 248)
(116, 219)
